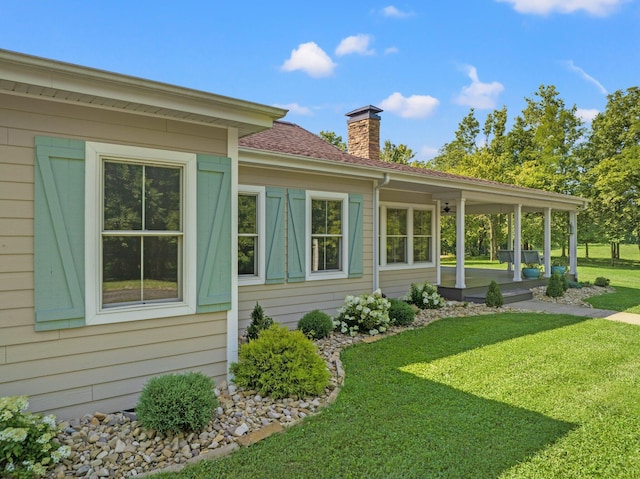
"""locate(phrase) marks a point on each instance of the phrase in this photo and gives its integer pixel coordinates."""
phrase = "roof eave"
(26, 75)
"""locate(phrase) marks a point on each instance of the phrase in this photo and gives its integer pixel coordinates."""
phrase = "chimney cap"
(364, 112)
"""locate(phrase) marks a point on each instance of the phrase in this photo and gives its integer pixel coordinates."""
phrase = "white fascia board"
(28, 72)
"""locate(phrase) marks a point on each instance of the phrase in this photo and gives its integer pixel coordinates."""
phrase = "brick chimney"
(363, 128)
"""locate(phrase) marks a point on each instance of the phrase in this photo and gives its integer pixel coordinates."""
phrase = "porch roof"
(291, 146)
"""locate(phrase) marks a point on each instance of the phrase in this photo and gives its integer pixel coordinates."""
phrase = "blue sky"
(424, 63)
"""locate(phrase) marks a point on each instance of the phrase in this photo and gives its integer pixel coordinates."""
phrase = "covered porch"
(477, 283)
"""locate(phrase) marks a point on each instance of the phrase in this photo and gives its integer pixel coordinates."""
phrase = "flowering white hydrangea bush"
(367, 313)
(425, 296)
(27, 441)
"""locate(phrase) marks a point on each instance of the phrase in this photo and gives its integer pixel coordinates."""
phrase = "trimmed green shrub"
(401, 313)
(565, 282)
(425, 296)
(554, 286)
(174, 403)
(494, 298)
(259, 322)
(28, 444)
(367, 313)
(601, 281)
(316, 324)
(281, 363)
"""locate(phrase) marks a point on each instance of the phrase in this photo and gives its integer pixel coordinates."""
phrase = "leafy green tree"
(452, 154)
(543, 142)
(612, 167)
(400, 154)
(334, 139)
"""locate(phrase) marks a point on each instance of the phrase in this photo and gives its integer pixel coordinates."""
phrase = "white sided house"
(141, 222)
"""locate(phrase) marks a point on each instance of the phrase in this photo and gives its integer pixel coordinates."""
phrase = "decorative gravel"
(115, 445)
(573, 296)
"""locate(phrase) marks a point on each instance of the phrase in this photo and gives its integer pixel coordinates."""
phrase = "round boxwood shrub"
(281, 363)
(401, 313)
(494, 298)
(601, 281)
(316, 324)
(555, 288)
(174, 403)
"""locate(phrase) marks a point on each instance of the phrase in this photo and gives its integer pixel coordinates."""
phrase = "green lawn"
(624, 276)
(506, 395)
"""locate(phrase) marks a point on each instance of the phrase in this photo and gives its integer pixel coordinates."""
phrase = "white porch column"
(573, 243)
(509, 238)
(517, 243)
(547, 242)
(438, 245)
(460, 276)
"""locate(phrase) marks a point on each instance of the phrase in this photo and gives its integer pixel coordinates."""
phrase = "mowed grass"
(506, 395)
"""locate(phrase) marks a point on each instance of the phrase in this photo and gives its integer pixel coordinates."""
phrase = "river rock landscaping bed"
(115, 445)
(573, 296)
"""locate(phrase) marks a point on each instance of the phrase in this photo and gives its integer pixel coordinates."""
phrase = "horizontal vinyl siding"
(76, 371)
(286, 303)
(397, 283)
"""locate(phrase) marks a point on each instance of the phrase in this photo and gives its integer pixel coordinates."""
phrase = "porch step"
(510, 296)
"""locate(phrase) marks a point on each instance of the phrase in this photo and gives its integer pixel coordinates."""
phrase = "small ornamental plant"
(555, 288)
(494, 298)
(316, 324)
(425, 296)
(367, 313)
(281, 363)
(601, 281)
(259, 322)
(174, 403)
(28, 444)
(401, 313)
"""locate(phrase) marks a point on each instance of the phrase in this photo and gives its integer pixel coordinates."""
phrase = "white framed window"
(251, 234)
(406, 236)
(140, 233)
(326, 233)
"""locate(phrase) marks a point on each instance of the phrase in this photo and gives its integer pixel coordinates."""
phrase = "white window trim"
(259, 278)
(95, 153)
(324, 195)
(410, 264)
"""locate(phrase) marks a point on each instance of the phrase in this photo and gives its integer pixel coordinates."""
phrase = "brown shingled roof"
(292, 139)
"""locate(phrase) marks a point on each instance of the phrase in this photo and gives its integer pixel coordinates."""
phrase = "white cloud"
(573, 67)
(544, 7)
(415, 106)
(393, 12)
(479, 95)
(311, 59)
(586, 115)
(391, 50)
(428, 152)
(295, 109)
(355, 44)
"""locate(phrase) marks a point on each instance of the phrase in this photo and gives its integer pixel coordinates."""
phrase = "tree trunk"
(586, 249)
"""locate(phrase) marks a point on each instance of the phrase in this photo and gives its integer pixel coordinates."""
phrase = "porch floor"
(477, 283)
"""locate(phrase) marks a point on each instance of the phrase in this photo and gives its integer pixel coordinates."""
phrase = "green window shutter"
(356, 235)
(214, 233)
(59, 233)
(274, 218)
(296, 241)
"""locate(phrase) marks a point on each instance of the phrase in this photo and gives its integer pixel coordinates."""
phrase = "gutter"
(378, 185)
